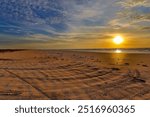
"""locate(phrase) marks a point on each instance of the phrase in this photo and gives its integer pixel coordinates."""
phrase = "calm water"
(143, 50)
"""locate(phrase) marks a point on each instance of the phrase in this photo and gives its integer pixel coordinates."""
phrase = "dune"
(64, 74)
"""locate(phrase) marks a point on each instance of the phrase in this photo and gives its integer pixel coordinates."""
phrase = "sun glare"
(118, 40)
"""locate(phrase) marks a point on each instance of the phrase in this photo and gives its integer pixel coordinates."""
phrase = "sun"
(118, 40)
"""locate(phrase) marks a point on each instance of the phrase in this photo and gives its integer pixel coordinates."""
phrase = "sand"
(51, 74)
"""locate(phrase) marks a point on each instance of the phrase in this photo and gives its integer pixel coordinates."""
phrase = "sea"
(117, 50)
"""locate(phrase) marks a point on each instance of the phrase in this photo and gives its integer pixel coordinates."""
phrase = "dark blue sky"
(72, 23)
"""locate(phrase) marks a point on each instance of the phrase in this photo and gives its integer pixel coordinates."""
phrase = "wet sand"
(49, 74)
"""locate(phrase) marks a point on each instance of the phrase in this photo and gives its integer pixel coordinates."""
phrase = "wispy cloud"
(134, 3)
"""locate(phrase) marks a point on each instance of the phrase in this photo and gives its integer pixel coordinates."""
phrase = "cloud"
(134, 14)
(70, 21)
(134, 3)
(31, 14)
(55, 15)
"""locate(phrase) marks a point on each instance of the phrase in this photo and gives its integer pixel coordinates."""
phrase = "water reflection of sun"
(118, 57)
(118, 51)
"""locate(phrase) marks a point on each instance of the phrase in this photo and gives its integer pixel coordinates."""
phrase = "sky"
(71, 24)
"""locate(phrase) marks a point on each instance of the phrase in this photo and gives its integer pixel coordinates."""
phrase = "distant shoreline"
(107, 50)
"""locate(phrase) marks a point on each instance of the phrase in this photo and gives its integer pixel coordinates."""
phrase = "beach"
(73, 75)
